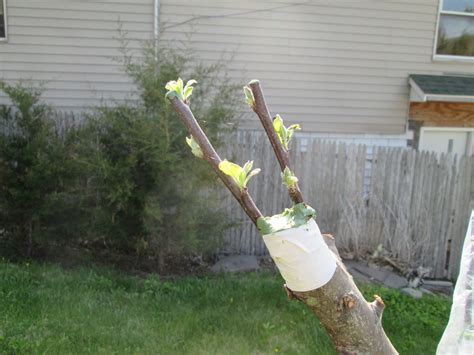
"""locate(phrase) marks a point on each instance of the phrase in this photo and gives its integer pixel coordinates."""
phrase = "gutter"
(452, 98)
(156, 20)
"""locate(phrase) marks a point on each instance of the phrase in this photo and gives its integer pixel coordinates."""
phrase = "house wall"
(336, 67)
(69, 45)
(333, 66)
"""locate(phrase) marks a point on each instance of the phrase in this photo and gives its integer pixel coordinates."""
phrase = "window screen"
(456, 28)
(3, 30)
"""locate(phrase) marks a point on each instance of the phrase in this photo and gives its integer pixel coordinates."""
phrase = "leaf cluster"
(293, 217)
(284, 133)
(241, 175)
(289, 179)
(249, 99)
(195, 148)
(176, 89)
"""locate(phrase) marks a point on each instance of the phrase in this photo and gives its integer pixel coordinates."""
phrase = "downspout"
(156, 22)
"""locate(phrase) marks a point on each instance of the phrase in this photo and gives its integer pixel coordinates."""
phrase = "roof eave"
(418, 95)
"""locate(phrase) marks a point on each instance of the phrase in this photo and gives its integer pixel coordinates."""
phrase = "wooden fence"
(415, 204)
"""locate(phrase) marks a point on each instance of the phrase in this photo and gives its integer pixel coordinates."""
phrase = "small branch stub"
(378, 306)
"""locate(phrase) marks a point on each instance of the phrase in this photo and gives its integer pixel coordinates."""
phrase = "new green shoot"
(241, 175)
(284, 133)
(249, 96)
(177, 89)
(289, 179)
(195, 148)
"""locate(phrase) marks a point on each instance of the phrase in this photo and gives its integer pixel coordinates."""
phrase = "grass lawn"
(45, 309)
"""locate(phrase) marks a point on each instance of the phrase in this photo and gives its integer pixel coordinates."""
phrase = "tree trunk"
(353, 324)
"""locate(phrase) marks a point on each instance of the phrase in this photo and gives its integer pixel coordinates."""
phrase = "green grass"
(45, 309)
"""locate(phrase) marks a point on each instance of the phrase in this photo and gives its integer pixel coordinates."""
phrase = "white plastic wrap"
(458, 337)
(302, 256)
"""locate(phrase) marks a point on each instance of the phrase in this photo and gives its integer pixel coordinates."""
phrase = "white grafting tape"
(302, 256)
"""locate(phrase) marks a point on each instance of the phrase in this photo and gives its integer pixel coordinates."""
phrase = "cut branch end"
(378, 306)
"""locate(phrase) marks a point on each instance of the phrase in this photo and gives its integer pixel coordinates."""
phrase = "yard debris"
(382, 256)
(370, 272)
(382, 267)
(415, 276)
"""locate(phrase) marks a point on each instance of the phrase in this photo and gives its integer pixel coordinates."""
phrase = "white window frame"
(4, 39)
(445, 57)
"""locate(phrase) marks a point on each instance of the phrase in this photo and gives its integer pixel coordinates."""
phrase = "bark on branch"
(353, 324)
(261, 109)
(211, 156)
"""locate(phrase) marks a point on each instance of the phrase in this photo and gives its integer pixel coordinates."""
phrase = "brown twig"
(211, 156)
(261, 109)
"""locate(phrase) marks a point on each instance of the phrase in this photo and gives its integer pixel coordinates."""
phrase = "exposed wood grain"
(443, 114)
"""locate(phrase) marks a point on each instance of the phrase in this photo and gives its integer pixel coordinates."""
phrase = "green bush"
(147, 186)
(35, 173)
(125, 178)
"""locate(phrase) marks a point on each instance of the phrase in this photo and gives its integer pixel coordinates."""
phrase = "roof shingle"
(444, 84)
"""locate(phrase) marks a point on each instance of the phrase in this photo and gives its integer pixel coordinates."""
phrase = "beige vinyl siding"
(69, 45)
(333, 66)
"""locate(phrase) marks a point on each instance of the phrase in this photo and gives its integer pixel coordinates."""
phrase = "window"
(3, 21)
(455, 37)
